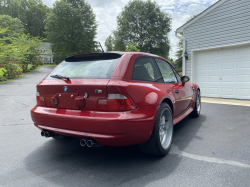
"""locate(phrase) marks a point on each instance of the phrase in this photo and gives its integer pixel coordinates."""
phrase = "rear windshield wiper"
(60, 77)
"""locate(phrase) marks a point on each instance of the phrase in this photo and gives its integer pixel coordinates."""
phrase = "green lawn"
(49, 65)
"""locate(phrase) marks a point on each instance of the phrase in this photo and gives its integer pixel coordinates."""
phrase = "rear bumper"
(107, 128)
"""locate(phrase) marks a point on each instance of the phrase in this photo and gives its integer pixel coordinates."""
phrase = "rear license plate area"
(67, 101)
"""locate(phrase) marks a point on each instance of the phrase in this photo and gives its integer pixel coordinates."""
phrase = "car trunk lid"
(81, 94)
(86, 82)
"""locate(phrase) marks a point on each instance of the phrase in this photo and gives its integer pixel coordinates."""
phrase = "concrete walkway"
(226, 101)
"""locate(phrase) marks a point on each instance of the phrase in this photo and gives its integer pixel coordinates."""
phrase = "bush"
(3, 79)
(18, 52)
(10, 68)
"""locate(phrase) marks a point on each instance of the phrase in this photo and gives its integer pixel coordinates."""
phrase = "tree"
(32, 14)
(133, 47)
(14, 25)
(179, 52)
(109, 43)
(34, 17)
(71, 28)
(143, 23)
(178, 55)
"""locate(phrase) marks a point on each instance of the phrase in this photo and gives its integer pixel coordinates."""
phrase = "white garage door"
(224, 72)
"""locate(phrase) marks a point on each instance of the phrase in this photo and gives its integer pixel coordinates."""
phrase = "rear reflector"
(116, 102)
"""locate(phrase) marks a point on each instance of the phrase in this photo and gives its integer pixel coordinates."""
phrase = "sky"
(106, 12)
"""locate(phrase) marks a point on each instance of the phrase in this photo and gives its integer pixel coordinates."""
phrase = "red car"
(115, 99)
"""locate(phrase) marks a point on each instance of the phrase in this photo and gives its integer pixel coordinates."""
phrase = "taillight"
(40, 99)
(116, 102)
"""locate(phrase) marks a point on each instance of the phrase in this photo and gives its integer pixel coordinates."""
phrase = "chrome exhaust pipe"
(42, 133)
(83, 142)
(46, 134)
(89, 143)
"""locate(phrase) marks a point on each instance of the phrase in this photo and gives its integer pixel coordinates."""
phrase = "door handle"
(176, 91)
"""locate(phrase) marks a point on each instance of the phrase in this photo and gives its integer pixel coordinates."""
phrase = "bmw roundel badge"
(65, 88)
(86, 95)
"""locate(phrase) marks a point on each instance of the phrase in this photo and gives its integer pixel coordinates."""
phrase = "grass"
(23, 74)
(49, 65)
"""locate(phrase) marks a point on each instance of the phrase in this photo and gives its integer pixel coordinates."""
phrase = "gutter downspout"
(183, 51)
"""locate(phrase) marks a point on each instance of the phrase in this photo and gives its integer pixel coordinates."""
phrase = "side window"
(177, 75)
(166, 71)
(145, 69)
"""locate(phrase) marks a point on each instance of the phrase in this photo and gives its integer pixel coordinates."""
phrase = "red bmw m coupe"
(115, 99)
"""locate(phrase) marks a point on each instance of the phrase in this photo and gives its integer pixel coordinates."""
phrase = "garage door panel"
(229, 53)
(243, 50)
(227, 79)
(243, 92)
(243, 78)
(214, 66)
(202, 67)
(214, 79)
(215, 53)
(214, 91)
(203, 91)
(228, 66)
(202, 56)
(228, 92)
(243, 65)
(202, 79)
(224, 72)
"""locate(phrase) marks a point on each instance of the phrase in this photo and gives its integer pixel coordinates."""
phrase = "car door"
(181, 92)
(186, 90)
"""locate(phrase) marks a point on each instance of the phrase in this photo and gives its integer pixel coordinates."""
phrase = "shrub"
(18, 52)
(3, 79)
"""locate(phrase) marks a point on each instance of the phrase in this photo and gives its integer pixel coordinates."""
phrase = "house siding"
(228, 24)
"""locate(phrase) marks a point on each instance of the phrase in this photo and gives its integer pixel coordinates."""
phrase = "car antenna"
(101, 47)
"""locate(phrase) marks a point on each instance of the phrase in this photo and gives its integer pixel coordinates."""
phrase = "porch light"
(186, 55)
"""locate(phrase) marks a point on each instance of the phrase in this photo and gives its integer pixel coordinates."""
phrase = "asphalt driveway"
(212, 150)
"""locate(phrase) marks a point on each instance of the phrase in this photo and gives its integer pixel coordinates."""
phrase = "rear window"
(90, 69)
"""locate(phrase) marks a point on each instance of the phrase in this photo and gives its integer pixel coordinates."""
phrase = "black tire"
(197, 108)
(154, 146)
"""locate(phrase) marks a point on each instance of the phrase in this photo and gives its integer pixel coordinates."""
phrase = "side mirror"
(184, 79)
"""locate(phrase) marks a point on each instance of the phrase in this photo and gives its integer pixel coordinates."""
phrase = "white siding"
(228, 24)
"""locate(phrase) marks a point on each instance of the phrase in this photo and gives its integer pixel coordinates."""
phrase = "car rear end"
(80, 103)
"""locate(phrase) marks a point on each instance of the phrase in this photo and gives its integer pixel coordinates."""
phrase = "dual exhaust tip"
(88, 142)
(46, 134)
(83, 142)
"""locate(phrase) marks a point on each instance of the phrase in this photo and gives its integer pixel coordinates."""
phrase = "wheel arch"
(198, 88)
(169, 102)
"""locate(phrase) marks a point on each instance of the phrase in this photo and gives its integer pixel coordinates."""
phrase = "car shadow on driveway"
(65, 163)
